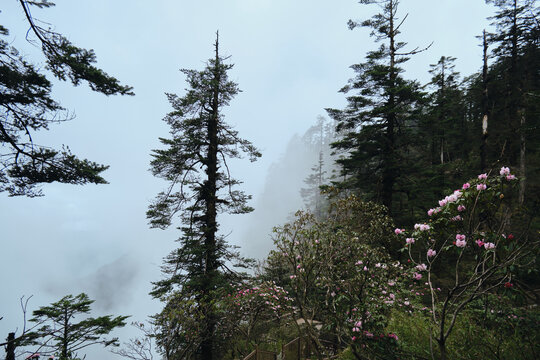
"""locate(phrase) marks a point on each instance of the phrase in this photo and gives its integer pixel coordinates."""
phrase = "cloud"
(113, 284)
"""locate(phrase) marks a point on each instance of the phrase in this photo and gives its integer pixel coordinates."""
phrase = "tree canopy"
(27, 106)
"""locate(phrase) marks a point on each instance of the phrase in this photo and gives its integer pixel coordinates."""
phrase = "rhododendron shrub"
(342, 286)
(253, 309)
(475, 232)
(178, 327)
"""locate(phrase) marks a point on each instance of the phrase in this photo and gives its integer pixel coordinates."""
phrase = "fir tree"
(194, 163)
(376, 124)
(27, 107)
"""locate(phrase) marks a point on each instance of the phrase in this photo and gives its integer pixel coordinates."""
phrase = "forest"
(419, 237)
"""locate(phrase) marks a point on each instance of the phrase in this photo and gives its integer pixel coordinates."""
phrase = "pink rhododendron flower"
(504, 171)
(430, 212)
(409, 241)
(443, 202)
(365, 268)
(489, 246)
(292, 276)
(461, 208)
(461, 243)
(460, 237)
(368, 334)
(456, 218)
(393, 336)
(479, 243)
(510, 177)
(417, 276)
(431, 253)
(359, 262)
(421, 267)
(481, 187)
(358, 324)
(355, 329)
(399, 231)
(466, 186)
(421, 227)
(482, 176)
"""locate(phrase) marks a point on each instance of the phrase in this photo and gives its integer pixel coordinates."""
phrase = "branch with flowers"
(473, 232)
(253, 309)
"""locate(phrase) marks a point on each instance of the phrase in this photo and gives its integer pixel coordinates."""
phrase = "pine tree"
(61, 336)
(381, 110)
(194, 163)
(28, 107)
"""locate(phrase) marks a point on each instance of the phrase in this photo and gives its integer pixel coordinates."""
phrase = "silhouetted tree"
(26, 106)
(194, 163)
(61, 336)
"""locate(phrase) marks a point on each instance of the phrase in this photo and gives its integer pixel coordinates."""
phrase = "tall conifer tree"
(194, 163)
(381, 107)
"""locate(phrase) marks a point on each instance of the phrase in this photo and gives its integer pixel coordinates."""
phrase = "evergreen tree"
(318, 137)
(516, 85)
(194, 163)
(444, 140)
(376, 124)
(27, 107)
(61, 336)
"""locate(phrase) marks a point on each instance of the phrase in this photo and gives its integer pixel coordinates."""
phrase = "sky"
(291, 58)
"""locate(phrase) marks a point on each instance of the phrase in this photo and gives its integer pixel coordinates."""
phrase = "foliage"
(341, 282)
(28, 107)
(510, 337)
(60, 336)
(382, 106)
(252, 311)
(477, 234)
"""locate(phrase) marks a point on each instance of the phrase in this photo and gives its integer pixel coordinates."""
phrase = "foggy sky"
(291, 58)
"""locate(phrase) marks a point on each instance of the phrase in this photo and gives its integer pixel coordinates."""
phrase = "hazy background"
(291, 57)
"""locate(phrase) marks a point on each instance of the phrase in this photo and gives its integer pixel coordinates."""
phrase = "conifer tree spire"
(194, 163)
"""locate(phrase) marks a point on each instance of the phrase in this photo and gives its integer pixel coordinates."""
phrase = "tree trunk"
(389, 175)
(10, 347)
(210, 245)
(522, 168)
(485, 110)
(442, 349)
